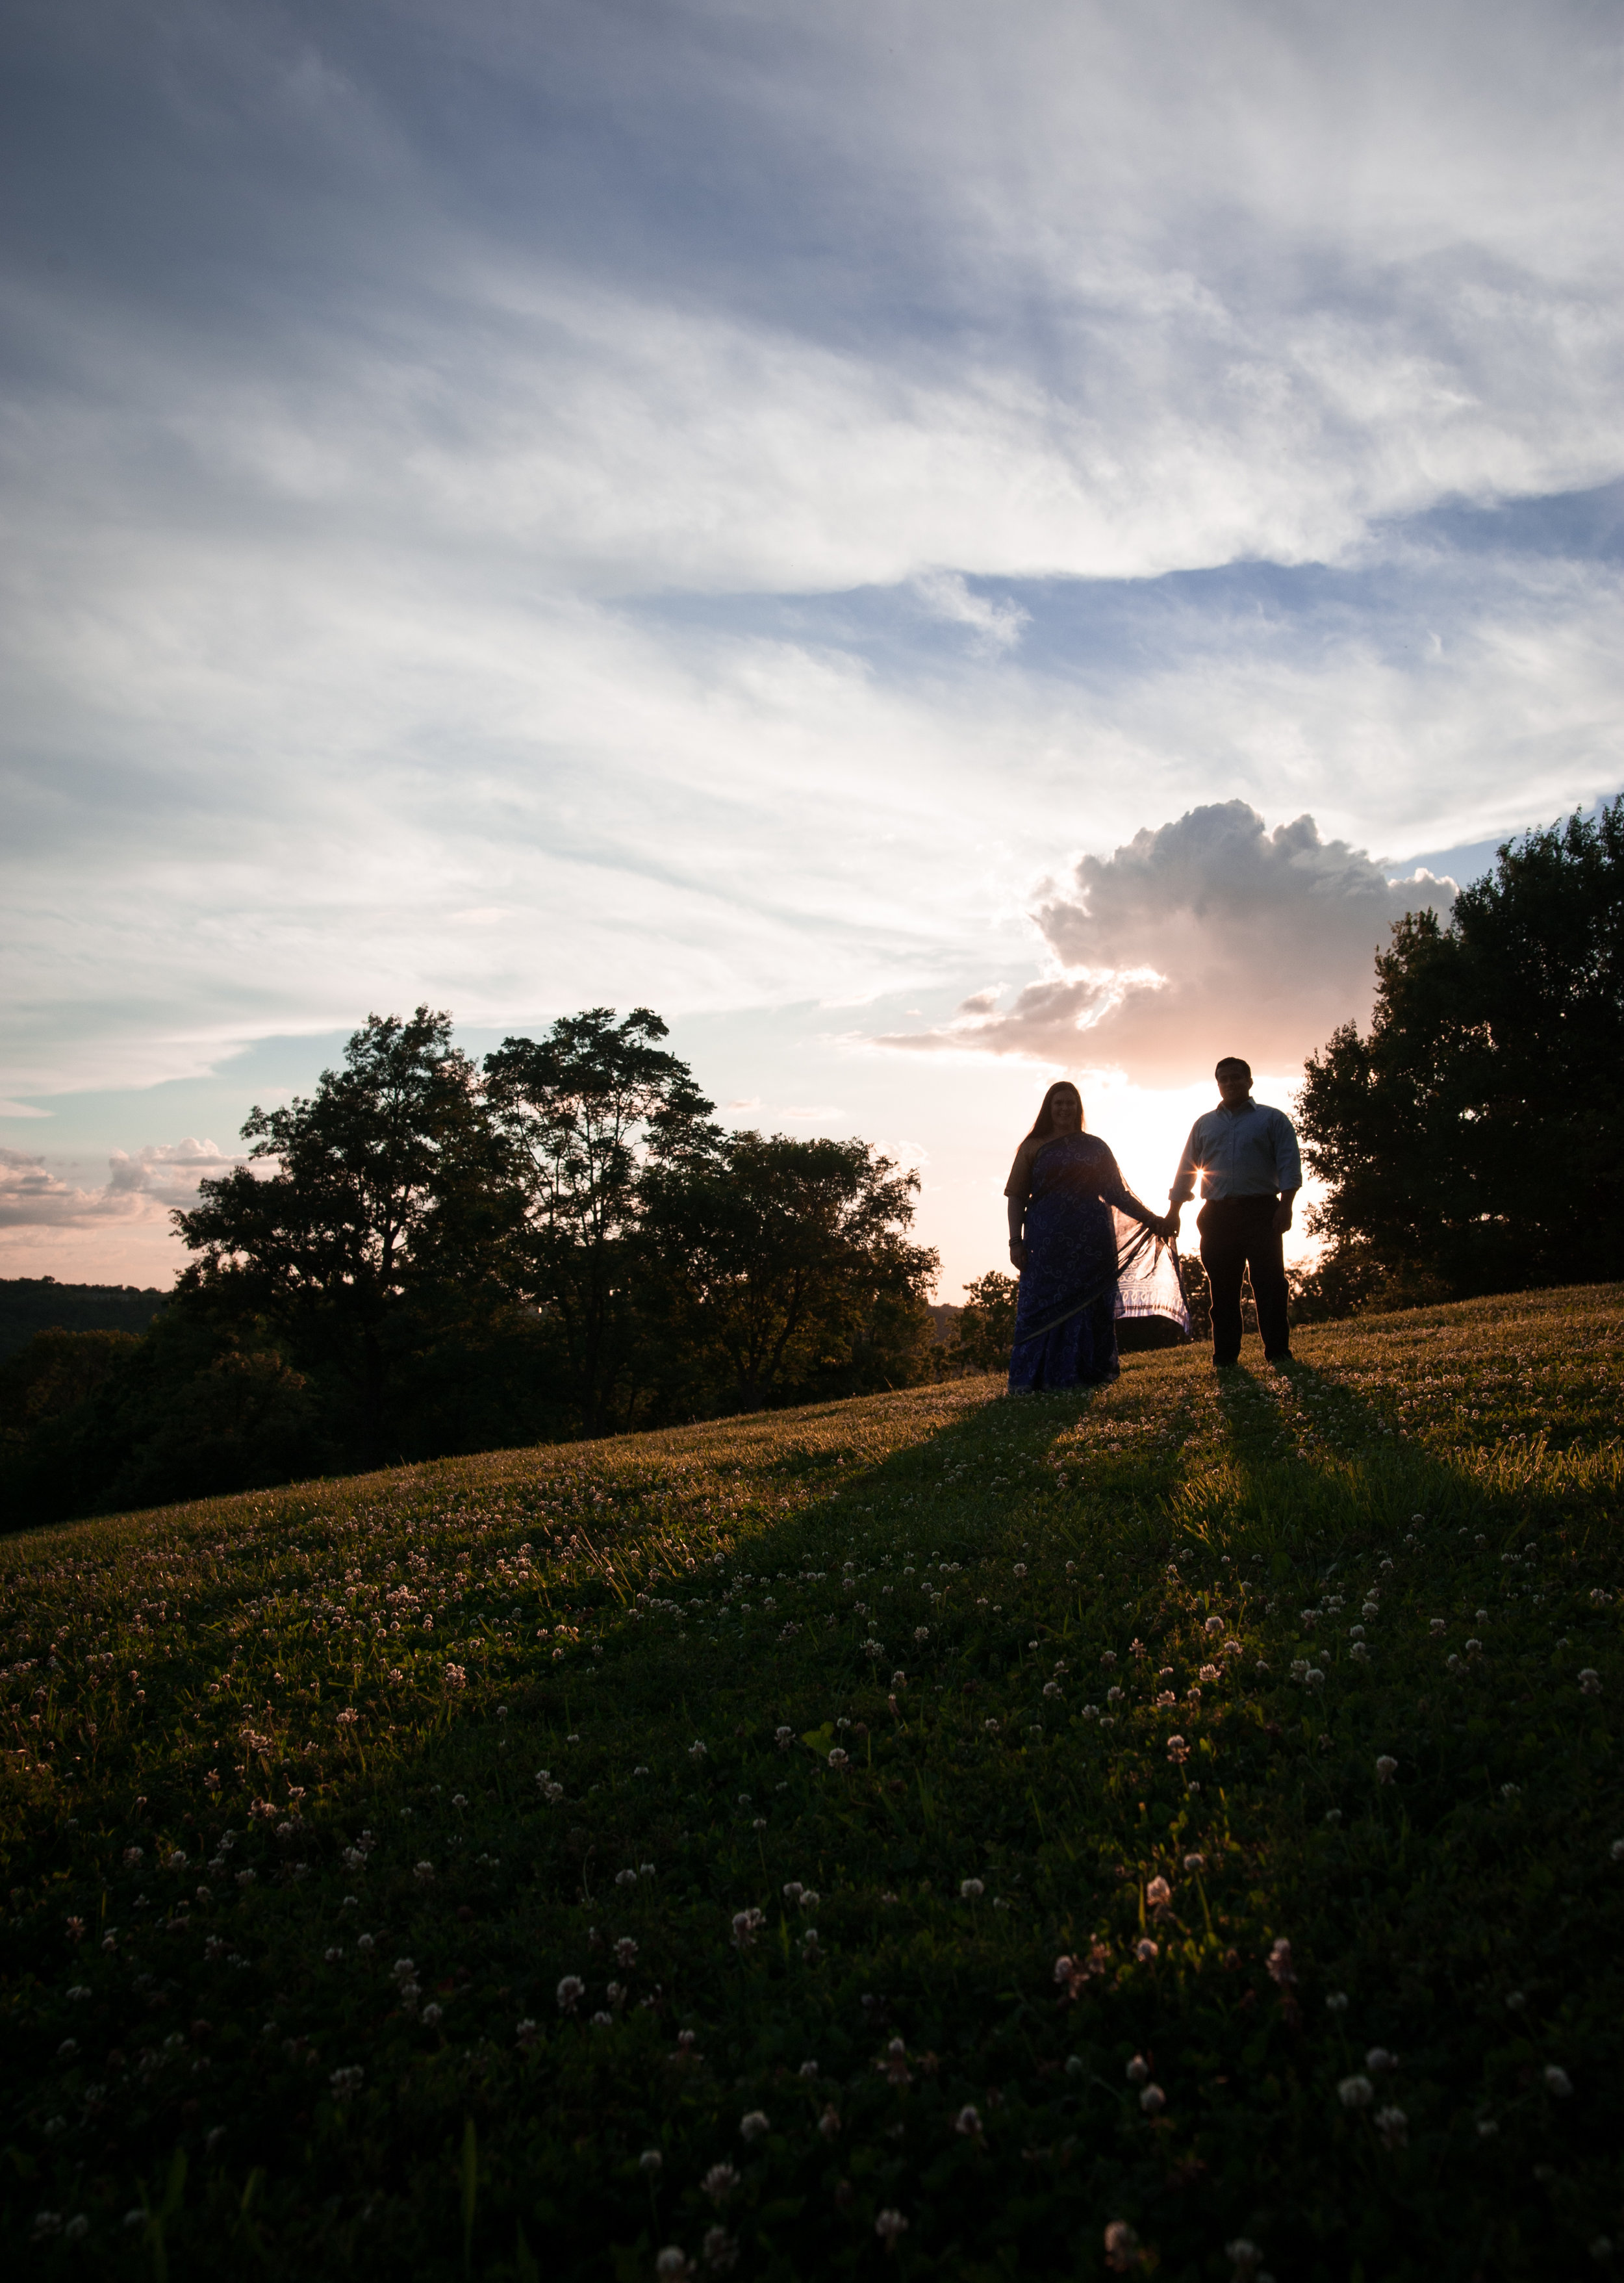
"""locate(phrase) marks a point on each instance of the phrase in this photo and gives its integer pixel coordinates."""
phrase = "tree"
(1470, 1142)
(987, 1322)
(787, 1266)
(390, 1192)
(583, 1111)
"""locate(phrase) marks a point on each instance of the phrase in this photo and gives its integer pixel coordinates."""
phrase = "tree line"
(428, 1256)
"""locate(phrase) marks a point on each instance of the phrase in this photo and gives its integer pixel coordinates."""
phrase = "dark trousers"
(1238, 1234)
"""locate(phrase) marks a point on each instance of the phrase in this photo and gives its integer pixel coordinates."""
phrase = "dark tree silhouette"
(1470, 1142)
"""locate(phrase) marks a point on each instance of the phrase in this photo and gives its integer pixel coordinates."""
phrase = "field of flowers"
(1177, 1830)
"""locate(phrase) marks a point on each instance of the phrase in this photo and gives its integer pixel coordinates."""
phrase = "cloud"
(144, 1185)
(1210, 936)
(995, 624)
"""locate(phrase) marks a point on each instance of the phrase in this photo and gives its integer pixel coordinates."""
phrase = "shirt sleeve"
(1183, 1180)
(1288, 1162)
(1019, 1182)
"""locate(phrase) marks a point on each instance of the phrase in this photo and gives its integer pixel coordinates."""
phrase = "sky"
(934, 545)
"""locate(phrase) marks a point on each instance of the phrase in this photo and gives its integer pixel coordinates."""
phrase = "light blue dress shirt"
(1249, 1152)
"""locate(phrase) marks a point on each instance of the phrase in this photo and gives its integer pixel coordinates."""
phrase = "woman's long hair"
(1043, 1125)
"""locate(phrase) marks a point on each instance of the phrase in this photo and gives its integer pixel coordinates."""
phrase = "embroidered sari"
(1090, 1259)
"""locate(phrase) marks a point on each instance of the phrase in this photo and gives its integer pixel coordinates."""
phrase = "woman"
(1064, 1240)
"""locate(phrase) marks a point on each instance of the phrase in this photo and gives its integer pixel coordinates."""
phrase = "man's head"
(1234, 1078)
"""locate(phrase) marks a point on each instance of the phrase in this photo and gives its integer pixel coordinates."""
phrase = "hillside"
(39, 1303)
(1176, 1829)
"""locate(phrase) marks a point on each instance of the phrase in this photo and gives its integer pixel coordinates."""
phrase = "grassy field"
(1177, 1830)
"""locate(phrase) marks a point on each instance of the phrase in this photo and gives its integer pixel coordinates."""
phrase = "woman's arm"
(1115, 1192)
(1017, 1218)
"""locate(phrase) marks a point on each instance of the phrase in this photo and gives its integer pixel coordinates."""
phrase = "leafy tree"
(583, 1111)
(987, 1322)
(1470, 1142)
(786, 1265)
(390, 1192)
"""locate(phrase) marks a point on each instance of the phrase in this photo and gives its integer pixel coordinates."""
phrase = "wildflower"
(888, 2225)
(1394, 2127)
(672, 2264)
(602, 2021)
(1177, 1750)
(1145, 1949)
(1051, 1688)
(1358, 1652)
(1153, 2100)
(346, 2081)
(921, 1633)
(1356, 2092)
(1558, 2080)
(828, 2123)
(571, 1991)
(432, 2015)
(1208, 1673)
(1020, 1568)
(719, 2182)
(526, 2033)
(625, 1951)
(456, 1676)
(1195, 1862)
(839, 1760)
(720, 2250)
(650, 2161)
(1474, 1648)
(1379, 2059)
(899, 1680)
(1437, 1626)
(1158, 1894)
(745, 1926)
(1165, 1699)
(972, 1889)
(1138, 2071)
(1386, 1768)
(1589, 1682)
(1486, 2128)
(348, 1718)
(1243, 2255)
(423, 1873)
(793, 1890)
(968, 2122)
(1280, 1963)
(991, 1727)
(808, 2069)
(894, 2063)
(1122, 2247)
(696, 1750)
(1515, 2000)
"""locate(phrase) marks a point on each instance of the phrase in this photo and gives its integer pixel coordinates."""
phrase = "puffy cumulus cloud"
(142, 1185)
(1210, 936)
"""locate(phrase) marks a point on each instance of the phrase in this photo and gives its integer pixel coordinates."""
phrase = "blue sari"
(1084, 1231)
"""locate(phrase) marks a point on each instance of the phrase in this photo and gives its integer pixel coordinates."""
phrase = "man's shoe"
(1280, 1355)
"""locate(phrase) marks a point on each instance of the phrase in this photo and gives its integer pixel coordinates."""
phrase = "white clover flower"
(1158, 1893)
(1386, 1768)
(828, 2123)
(890, 2225)
(1153, 2100)
(1145, 1949)
(1138, 2071)
(1379, 2059)
(972, 1889)
(754, 2125)
(1208, 1673)
(1558, 2080)
(1195, 1862)
(650, 2161)
(1356, 2092)
(570, 1993)
(1394, 2127)
(672, 2264)
(1337, 2002)
(1438, 1625)
(1590, 1681)
(921, 1633)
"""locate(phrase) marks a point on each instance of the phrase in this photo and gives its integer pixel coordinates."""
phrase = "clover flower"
(1589, 1682)
(1138, 2071)
(1386, 1768)
(893, 2063)
(719, 2182)
(1558, 2080)
(720, 2250)
(972, 1889)
(672, 2264)
(1243, 2255)
(1195, 1862)
(625, 1951)
(968, 2122)
(1158, 1894)
(650, 2161)
(1153, 2100)
(828, 2123)
(1122, 2247)
(346, 2081)
(746, 1925)
(1145, 1949)
(1177, 1750)
(570, 1993)
(888, 2225)
(1356, 2092)
(1394, 2127)
(839, 1760)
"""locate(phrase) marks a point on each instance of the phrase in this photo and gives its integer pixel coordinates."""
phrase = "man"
(1246, 1156)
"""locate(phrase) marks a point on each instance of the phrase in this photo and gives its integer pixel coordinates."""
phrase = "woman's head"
(1061, 1112)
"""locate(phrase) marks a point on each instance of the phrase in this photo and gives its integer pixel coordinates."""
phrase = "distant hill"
(37, 1304)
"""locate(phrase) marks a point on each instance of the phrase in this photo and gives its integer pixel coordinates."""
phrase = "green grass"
(227, 2065)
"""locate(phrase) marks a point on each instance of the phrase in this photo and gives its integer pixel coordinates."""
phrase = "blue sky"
(802, 519)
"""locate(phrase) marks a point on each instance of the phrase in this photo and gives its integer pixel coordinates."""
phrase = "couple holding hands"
(1087, 1250)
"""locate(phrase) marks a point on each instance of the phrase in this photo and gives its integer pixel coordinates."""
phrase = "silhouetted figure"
(1246, 1156)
